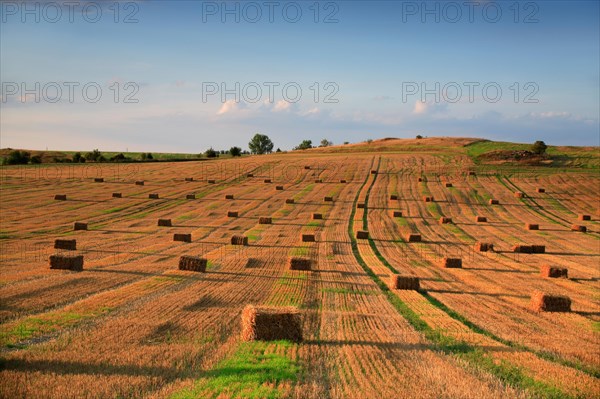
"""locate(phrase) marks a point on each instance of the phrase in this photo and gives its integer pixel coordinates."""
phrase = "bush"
(346, 142)
(419, 137)
(95, 155)
(326, 143)
(36, 159)
(235, 151)
(305, 145)
(539, 147)
(17, 158)
(210, 153)
(278, 150)
(149, 156)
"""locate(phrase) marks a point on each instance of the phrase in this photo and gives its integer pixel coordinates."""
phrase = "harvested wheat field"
(287, 293)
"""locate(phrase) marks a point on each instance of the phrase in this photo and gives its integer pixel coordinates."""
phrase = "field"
(131, 324)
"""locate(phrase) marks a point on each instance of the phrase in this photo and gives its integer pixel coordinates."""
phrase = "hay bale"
(139, 183)
(250, 175)
(519, 194)
(60, 197)
(471, 173)
(451, 263)
(66, 262)
(532, 226)
(319, 181)
(239, 240)
(265, 220)
(117, 195)
(361, 205)
(232, 214)
(420, 179)
(444, 220)
(541, 190)
(393, 197)
(577, 227)
(183, 237)
(428, 199)
(343, 181)
(480, 219)
(373, 172)
(306, 167)
(494, 202)
(228, 196)
(192, 263)
(263, 323)
(543, 302)
(299, 264)
(190, 196)
(523, 249)
(308, 237)
(165, 222)
(448, 184)
(153, 196)
(397, 214)
(538, 249)
(584, 217)
(279, 188)
(211, 181)
(399, 282)
(413, 237)
(317, 216)
(484, 247)
(70, 245)
(189, 179)
(362, 235)
(267, 180)
(554, 272)
(80, 226)
(98, 180)
(328, 199)
(289, 201)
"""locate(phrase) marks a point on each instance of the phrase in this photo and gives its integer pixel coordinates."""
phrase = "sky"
(183, 76)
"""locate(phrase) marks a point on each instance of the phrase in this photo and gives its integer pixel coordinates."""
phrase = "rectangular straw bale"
(399, 282)
(289, 201)
(543, 302)
(541, 190)
(393, 197)
(448, 184)
(306, 167)
(60, 197)
(343, 181)
(190, 196)
(80, 226)
(117, 195)
(532, 226)
(212, 181)
(265, 220)
(308, 237)
(553, 271)
(584, 217)
(192, 263)
(250, 175)
(577, 227)
(397, 214)
(267, 180)
(317, 216)
(239, 240)
(98, 180)
(451, 263)
(484, 247)
(494, 202)
(373, 172)
(262, 323)
(428, 199)
(66, 262)
(420, 179)
(184, 237)
(480, 219)
(189, 179)
(328, 199)
(413, 237)
(538, 249)
(229, 196)
(70, 245)
(360, 205)
(165, 222)
(153, 196)
(444, 220)
(299, 263)
(279, 188)
(232, 214)
(139, 183)
(362, 235)
(318, 180)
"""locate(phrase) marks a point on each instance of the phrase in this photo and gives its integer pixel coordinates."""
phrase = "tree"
(95, 155)
(149, 156)
(278, 150)
(17, 158)
(306, 144)
(36, 159)
(346, 142)
(143, 156)
(419, 136)
(235, 151)
(78, 158)
(539, 147)
(210, 153)
(260, 144)
(326, 143)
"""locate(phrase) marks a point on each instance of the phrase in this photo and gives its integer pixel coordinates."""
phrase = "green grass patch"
(113, 210)
(252, 372)
(299, 251)
(349, 291)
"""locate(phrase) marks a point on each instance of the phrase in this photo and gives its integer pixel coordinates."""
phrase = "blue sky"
(373, 59)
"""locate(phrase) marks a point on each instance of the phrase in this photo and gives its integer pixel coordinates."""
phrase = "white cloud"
(282, 105)
(230, 106)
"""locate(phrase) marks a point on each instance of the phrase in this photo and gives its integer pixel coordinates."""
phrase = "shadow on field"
(501, 270)
(478, 293)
